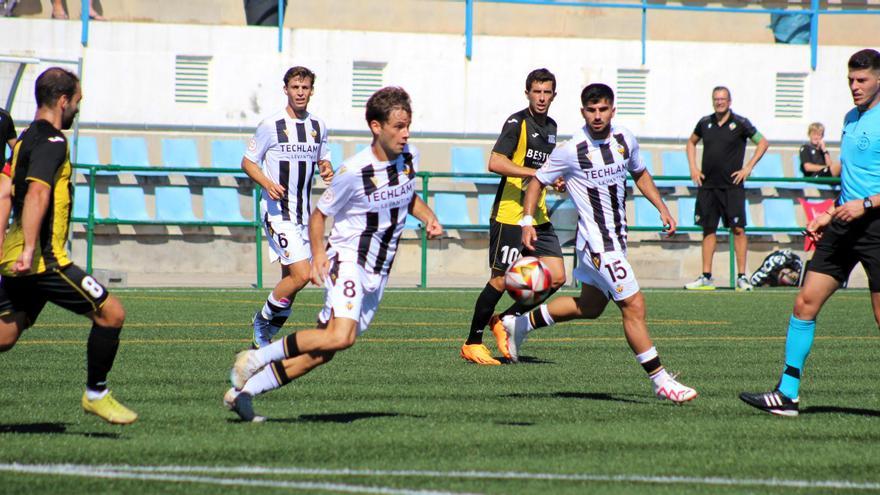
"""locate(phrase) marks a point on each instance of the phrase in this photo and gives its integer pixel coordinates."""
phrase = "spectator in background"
(262, 12)
(721, 193)
(58, 10)
(816, 161)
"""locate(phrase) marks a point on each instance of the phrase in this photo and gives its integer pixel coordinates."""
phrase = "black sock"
(652, 366)
(483, 309)
(537, 320)
(740, 275)
(291, 349)
(518, 308)
(278, 321)
(707, 274)
(280, 373)
(100, 354)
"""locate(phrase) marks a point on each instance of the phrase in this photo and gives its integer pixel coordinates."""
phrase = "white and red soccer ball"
(528, 280)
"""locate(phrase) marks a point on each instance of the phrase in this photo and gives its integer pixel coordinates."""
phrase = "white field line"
(116, 470)
(127, 473)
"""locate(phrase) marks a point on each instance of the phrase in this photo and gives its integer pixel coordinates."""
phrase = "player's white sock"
(94, 395)
(650, 361)
(274, 308)
(263, 381)
(272, 352)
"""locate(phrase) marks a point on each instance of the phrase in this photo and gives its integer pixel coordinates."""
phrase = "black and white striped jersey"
(369, 200)
(288, 150)
(595, 175)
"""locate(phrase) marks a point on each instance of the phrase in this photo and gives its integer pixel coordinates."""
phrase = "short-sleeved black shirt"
(7, 132)
(724, 148)
(812, 154)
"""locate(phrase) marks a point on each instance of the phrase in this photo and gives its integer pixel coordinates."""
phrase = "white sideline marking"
(124, 470)
(133, 473)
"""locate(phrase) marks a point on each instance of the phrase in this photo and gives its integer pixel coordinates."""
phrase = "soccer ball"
(528, 280)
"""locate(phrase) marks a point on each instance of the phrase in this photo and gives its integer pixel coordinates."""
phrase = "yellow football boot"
(108, 409)
(478, 353)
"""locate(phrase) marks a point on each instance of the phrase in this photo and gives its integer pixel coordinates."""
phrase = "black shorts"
(68, 287)
(729, 205)
(505, 244)
(845, 244)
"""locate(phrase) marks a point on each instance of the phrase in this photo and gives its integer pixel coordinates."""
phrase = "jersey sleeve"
(7, 129)
(416, 156)
(804, 156)
(326, 155)
(337, 195)
(509, 138)
(259, 144)
(558, 165)
(698, 130)
(635, 164)
(46, 159)
(748, 128)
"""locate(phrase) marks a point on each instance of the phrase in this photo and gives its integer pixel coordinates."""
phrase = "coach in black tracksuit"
(721, 193)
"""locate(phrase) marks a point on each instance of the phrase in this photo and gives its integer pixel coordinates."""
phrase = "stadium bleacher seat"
(174, 204)
(686, 212)
(132, 152)
(779, 213)
(127, 203)
(86, 151)
(485, 202)
(647, 157)
(675, 163)
(470, 160)
(180, 153)
(451, 209)
(227, 153)
(646, 214)
(771, 166)
(221, 205)
(337, 155)
(360, 146)
(81, 202)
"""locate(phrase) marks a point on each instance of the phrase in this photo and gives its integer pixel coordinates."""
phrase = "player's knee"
(111, 315)
(341, 341)
(557, 280)
(804, 307)
(739, 231)
(633, 306)
(8, 338)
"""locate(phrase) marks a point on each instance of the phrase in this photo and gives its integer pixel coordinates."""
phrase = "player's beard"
(67, 119)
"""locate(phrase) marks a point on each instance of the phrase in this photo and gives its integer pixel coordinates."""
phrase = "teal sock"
(797, 348)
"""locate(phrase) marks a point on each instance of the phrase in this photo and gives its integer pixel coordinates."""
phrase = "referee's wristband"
(526, 220)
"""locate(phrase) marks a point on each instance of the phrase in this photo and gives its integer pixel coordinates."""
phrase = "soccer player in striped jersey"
(526, 141)
(595, 164)
(282, 157)
(368, 199)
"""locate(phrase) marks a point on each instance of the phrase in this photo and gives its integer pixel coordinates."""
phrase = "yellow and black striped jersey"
(526, 143)
(40, 155)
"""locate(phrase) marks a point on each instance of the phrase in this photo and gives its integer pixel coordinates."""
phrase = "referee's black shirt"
(724, 148)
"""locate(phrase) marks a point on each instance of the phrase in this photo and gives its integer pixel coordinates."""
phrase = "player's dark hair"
(540, 75)
(385, 101)
(300, 72)
(865, 59)
(596, 92)
(722, 88)
(54, 83)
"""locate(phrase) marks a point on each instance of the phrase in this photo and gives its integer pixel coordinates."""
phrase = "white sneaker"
(241, 403)
(516, 334)
(245, 367)
(743, 285)
(701, 283)
(674, 391)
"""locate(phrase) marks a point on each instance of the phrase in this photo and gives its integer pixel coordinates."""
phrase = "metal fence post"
(424, 235)
(258, 235)
(468, 28)
(90, 225)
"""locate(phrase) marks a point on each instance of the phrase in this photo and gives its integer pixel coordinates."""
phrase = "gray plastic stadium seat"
(174, 204)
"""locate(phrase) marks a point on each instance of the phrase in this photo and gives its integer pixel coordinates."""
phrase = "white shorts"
(288, 241)
(351, 292)
(609, 272)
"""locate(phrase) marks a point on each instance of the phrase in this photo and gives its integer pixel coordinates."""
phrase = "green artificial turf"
(402, 399)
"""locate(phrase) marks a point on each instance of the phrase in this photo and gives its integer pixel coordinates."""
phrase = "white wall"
(129, 75)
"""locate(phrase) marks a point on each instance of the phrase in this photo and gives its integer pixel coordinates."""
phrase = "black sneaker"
(774, 402)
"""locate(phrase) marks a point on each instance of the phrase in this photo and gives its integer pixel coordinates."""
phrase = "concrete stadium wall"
(129, 76)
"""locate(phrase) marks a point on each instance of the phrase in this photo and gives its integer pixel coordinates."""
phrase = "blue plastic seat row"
(173, 204)
(778, 213)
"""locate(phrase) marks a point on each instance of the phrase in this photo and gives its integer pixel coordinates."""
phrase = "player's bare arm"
(696, 175)
(648, 188)
(854, 209)
(5, 206)
(320, 263)
(325, 170)
(501, 165)
(423, 212)
(275, 191)
(36, 202)
(760, 148)
(530, 201)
